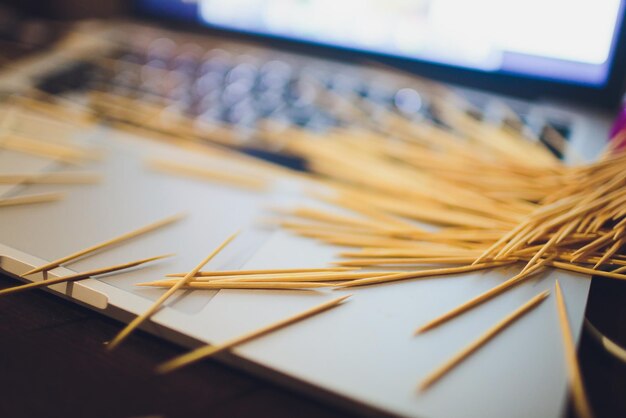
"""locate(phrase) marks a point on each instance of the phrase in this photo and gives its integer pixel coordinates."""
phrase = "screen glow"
(568, 39)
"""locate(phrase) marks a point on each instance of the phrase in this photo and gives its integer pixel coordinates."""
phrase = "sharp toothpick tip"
(126, 331)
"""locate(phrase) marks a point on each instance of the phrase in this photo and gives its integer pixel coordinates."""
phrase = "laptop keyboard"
(240, 91)
(243, 92)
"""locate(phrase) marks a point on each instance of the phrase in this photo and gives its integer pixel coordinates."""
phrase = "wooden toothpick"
(424, 273)
(210, 350)
(238, 180)
(372, 261)
(262, 285)
(29, 199)
(81, 276)
(64, 153)
(283, 277)
(513, 281)
(49, 178)
(581, 403)
(155, 307)
(113, 241)
(484, 338)
(617, 274)
(263, 271)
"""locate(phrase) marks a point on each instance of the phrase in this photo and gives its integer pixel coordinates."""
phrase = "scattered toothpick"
(264, 271)
(203, 173)
(332, 276)
(81, 276)
(108, 243)
(483, 297)
(424, 273)
(30, 199)
(226, 284)
(46, 149)
(210, 350)
(581, 403)
(482, 340)
(49, 178)
(155, 307)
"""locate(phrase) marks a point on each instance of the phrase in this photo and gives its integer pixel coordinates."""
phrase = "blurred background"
(29, 24)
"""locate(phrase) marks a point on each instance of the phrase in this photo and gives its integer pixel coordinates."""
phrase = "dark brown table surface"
(53, 364)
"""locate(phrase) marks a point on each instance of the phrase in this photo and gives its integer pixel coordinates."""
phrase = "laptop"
(526, 65)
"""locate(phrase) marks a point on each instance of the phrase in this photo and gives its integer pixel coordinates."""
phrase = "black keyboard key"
(563, 128)
(290, 161)
(75, 76)
(555, 139)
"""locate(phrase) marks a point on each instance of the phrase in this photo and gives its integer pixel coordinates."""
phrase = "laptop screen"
(559, 40)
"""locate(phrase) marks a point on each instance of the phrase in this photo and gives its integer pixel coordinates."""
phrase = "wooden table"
(53, 364)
